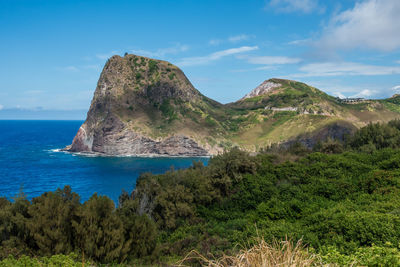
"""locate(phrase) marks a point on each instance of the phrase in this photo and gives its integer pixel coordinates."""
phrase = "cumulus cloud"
(272, 60)
(372, 24)
(344, 68)
(289, 6)
(191, 61)
(339, 94)
(396, 88)
(162, 51)
(366, 93)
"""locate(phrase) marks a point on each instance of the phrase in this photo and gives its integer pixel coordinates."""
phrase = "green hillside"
(295, 109)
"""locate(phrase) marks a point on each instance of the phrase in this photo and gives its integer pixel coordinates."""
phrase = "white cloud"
(335, 87)
(231, 39)
(344, 68)
(191, 61)
(398, 61)
(273, 60)
(238, 38)
(372, 24)
(300, 42)
(396, 88)
(288, 6)
(1, 107)
(366, 93)
(339, 94)
(162, 51)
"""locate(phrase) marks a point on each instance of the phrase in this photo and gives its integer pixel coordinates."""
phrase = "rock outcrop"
(131, 86)
(263, 89)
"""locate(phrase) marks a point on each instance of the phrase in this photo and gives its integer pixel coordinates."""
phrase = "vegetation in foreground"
(342, 200)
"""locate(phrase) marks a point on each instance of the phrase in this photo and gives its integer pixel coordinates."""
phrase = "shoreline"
(98, 154)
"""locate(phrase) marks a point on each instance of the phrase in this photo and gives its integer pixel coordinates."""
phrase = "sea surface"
(30, 161)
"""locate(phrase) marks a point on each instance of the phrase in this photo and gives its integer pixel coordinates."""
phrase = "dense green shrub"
(50, 222)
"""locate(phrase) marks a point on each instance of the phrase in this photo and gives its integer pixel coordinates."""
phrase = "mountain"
(143, 106)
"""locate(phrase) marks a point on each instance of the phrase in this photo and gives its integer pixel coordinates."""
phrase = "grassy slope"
(276, 126)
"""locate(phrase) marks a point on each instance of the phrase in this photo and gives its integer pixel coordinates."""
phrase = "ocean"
(30, 161)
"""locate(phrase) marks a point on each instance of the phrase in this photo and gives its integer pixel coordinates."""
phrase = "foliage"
(50, 222)
(100, 233)
(168, 110)
(57, 223)
(70, 260)
(376, 136)
(153, 66)
(386, 255)
(340, 199)
(171, 76)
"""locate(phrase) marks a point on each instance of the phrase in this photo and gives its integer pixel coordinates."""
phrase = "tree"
(100, 233)
(51, 221)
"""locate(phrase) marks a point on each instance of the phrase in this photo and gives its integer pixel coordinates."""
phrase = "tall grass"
(262, 254)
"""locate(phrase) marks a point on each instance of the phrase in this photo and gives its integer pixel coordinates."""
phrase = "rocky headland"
(147, 107)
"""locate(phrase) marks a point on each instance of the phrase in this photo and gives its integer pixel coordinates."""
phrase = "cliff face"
(136, 88)
(148, 107)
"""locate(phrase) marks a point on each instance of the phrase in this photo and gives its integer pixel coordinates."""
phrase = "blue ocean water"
(29, 160)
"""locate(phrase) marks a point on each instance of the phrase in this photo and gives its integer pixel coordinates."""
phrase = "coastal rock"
(132, 91)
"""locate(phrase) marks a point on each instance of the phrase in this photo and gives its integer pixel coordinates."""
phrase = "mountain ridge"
(143, 106)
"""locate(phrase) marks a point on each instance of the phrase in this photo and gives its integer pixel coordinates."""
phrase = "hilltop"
(143, 106)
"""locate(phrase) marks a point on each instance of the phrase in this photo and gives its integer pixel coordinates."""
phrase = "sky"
(52, 52)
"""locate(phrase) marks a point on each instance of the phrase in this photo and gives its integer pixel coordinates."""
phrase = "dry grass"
(278, 253)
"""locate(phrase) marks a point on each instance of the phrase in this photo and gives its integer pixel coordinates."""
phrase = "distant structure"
(351, 100)
(281, 109)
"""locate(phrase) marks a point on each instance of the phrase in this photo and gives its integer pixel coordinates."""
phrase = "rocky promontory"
(148, 107)
(133, 95)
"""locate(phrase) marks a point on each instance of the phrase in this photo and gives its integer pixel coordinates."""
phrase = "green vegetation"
(54, 261)
(57, 223)
(342, 200)
(171, 76)
(168, 110)
(153, 66)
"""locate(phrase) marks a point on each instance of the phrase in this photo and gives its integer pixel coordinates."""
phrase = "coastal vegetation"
(337, 203)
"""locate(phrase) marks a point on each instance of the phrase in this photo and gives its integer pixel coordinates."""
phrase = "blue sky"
(52, 52)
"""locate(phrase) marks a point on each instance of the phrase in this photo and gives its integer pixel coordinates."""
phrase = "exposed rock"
(135, 80)
(262, 89)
